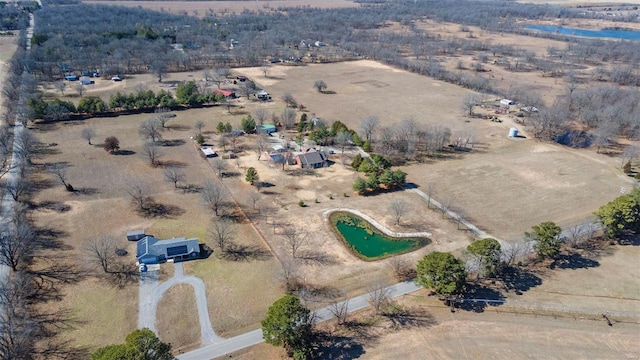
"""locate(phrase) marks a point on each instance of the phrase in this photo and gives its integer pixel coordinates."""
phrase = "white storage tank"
(513, 132)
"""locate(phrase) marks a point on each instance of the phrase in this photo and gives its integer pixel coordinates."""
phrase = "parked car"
(116, 78)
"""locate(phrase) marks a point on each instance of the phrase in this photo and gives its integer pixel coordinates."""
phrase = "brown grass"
(177, 318)
(201, 8)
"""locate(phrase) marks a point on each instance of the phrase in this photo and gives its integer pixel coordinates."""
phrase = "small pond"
(367, 242)
(605, 33)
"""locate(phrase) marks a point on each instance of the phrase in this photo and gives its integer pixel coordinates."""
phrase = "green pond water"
(371, 243)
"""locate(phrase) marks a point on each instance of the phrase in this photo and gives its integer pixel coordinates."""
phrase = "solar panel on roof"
(177, 250)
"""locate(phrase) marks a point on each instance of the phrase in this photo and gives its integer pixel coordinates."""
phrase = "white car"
(116, 78)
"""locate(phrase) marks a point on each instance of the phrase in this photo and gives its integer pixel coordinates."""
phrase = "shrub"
(300, 203)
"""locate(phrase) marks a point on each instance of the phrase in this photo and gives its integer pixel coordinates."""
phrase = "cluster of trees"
(140, 344)
(187, 94)
(15, 15)
(621, 217)
(380, 175)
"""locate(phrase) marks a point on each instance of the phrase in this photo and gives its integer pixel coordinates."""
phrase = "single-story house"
(225, 93)
(263, 95)
(135, 235)
(208, 152)
(312, 160)
(153, 251)
(267, 129)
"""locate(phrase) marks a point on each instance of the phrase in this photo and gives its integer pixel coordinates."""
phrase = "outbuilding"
(208, 152)
(135, 235)
(225, 93)
(263, 95)
(506, 102)
(267, 129)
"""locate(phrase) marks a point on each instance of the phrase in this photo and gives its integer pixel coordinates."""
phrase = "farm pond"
(369, 243)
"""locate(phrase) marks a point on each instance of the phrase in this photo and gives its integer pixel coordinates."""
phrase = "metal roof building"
(153, 251)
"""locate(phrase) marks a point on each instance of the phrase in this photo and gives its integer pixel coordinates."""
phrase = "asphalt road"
(251, 338)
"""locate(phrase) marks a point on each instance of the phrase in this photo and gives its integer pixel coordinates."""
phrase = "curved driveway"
(151, 292)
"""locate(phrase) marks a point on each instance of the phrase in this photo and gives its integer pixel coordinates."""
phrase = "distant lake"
(611, 33)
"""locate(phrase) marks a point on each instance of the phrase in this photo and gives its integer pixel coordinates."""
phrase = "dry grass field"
(504, 185)
(488, 335)
(177, 318)
(101, 206)
(201, 8)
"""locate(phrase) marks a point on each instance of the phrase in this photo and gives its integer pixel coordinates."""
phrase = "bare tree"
(60, 171)
(16, 242)
(340, 309)
(260, 115)
(248, 88)
(101, 252)
(61, 86)
(445, 205)
(290, 275)
(25, 145)
(378, 296)
(398, 208)
(512, 251)
(369, 127)
(295, 239)
(214, 196)
(151, 129)
(343, 139)
(469, 102)
(289, 100)
(219, 166)
(402, 270)
(199, 125)
(222, 232)
(17, 187)
(174, 175)
(265, 69)
(88, 134)
(320, 85)
(261, 144)
(207, 74)
(255, 198)
(288, 118)
(159, 69)
(153, 153)
(164, 115)
(139, 195)
(80, 89)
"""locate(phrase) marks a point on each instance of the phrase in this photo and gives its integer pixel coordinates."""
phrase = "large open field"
(505, 185)
(8, 46)
(201, 8)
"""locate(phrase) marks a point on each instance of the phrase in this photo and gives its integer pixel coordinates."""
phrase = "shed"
(135, 235)
(312, 160)
(267, 128)
(225, 93)
(208, 152)
(506, 102)
(85, 80)
(153, 251)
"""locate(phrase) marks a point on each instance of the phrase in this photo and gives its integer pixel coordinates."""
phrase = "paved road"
(251, 338)
(151, 292)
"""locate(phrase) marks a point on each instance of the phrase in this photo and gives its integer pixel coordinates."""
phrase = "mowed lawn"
(101, 206)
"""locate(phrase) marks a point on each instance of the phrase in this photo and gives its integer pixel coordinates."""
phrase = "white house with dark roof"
(153, 251)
